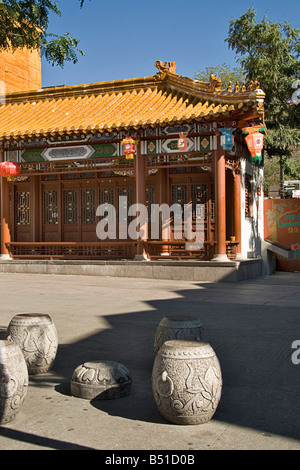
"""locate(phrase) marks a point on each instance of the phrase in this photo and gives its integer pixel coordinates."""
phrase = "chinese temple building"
(189, 148)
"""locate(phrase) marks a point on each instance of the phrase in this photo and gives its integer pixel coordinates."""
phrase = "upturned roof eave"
(167, 80)
(201, 101)
(203, 90)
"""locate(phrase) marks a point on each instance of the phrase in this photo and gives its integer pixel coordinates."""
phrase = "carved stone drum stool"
(172, 327)
(13, 380)
(101, 381)
(36, 335)
(186, 382)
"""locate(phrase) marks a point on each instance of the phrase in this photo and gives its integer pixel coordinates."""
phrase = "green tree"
(24, 24)
(223, 71)
(269, 52)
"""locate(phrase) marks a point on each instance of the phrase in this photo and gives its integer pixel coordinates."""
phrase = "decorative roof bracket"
(168, 67)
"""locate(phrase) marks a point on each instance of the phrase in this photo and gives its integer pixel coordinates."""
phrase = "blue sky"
(122, 39)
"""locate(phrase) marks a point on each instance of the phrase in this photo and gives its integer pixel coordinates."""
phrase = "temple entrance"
(79, 214)
(69, 209)
(195, 190)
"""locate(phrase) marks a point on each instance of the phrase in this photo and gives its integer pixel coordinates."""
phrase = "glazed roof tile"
(163, 99)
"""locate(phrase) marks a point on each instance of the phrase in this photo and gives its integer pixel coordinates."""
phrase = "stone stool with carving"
(186, 381)
(101, 380)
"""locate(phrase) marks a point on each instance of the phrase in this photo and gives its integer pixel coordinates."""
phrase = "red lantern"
(9, 170)
(129, 147)
(182, 142)
(255, 141)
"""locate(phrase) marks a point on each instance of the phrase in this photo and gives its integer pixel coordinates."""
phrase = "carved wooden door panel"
(124, 201)
(22, 213)
(51, 220)
(179, 198)
(70, 215)
(196, 194)
(199, 198)
(87, 221)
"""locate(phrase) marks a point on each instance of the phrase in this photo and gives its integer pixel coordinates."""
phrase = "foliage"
(290, 166)
(223, 71)
(24, 23)
(270, 53)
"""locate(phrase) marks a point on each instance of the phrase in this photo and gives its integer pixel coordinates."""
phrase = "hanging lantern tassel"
(255, 141)
(129, 147)
(9, 170)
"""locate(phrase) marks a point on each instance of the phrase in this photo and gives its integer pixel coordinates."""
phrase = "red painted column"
(5, 212)
(140, 193)
(220, 188)
(237, 211)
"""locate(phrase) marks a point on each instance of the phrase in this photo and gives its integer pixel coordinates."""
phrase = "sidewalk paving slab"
(251, 325)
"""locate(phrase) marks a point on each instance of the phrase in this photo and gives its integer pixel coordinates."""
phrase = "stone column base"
(142, 257)
(5, 258)
(221, 257)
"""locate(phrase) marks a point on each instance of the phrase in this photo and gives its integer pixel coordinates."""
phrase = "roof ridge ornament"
(254, 85)
(163, 69)
(215, 83)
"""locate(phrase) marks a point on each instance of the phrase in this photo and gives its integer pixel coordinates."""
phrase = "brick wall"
(20, 70)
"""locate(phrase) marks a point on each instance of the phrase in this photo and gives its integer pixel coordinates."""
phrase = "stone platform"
(209, 271)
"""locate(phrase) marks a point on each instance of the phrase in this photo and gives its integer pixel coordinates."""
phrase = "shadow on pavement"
(253, 344)
(39, 440)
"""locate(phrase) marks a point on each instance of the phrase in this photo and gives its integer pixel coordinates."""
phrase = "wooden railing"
(162, 160)
(72, 250)
(178, 250)
(114, 250)
(181, 250)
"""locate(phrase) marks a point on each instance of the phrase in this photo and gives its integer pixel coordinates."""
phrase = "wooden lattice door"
(88, 204)
(51, 220)
(22, 213)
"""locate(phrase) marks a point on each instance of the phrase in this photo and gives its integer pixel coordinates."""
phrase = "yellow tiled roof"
(160, 100)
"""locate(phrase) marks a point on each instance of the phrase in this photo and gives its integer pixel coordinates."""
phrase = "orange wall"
(282, 226)
(20, 70)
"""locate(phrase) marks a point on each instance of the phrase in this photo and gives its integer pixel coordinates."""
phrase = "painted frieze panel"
(32, 155)
(183, 128)
(64, 153)
(204, 143)
(13, 156)
(206, 127)
(151, 147)
(106, 150)
(103, 150)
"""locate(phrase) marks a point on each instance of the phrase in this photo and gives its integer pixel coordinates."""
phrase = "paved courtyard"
(251, 325)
